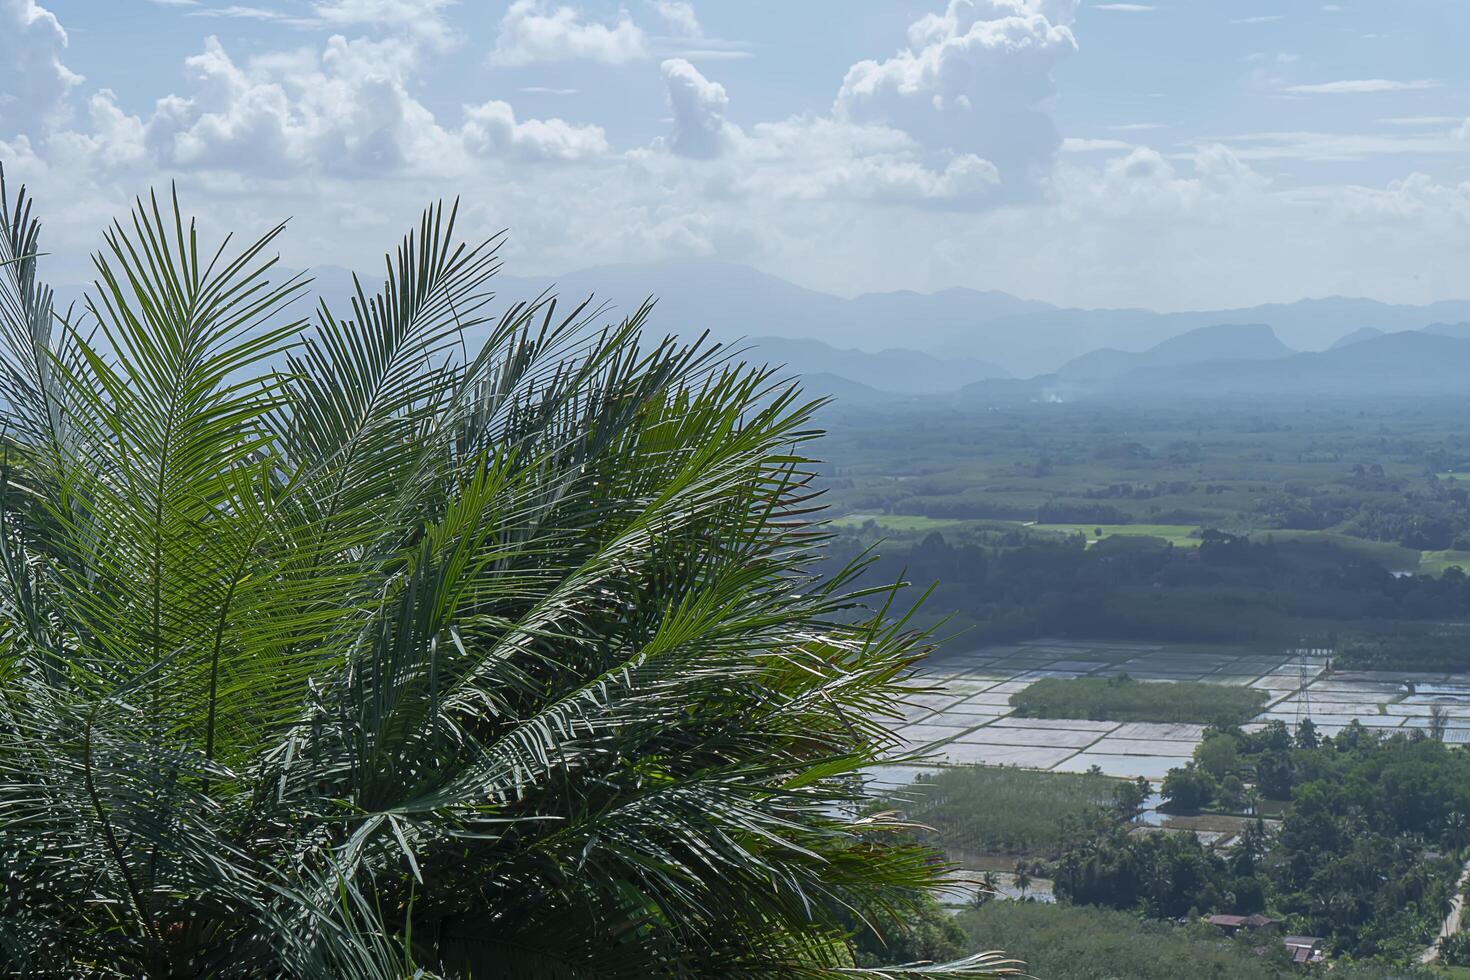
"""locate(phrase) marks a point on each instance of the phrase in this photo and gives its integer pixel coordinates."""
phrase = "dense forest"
(1001, 585)
(1365, 855)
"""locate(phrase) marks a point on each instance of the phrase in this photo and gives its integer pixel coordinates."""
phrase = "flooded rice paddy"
(970, 720)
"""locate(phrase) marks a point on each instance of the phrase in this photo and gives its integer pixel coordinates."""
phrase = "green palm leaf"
(421, 640)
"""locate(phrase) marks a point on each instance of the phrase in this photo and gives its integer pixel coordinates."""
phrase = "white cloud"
(1356, 86)
(346, 108)
(33, 80)
(532, 31)
(1125, 8)
(811, 158)
(1260, 19)
(974, 79)
(680, 16)
(264, 14)
(1420, 120)
(1073, 144)
(700, 129)
(491, 130)
(418, 18)
(1336, 147)
(891, 189)
(817, 160)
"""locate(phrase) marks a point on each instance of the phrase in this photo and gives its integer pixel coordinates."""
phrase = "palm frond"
(421, 640)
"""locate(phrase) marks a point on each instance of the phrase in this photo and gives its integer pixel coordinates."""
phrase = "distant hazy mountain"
(1356, 337)
(1038, 343)
(735, 301)
(1459, 330)
(1410, 362)
(844, 392)
(1249, 341)
(1022, 337)
(895, 370)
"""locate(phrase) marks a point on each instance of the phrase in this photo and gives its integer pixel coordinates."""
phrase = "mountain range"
(911, 343)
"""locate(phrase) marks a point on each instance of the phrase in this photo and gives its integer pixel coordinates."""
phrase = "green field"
(988, 810)
(1179, 535)
(1435, 562)
(897, 522)
(1125, 699)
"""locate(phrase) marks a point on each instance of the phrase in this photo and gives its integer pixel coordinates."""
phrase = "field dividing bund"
(971, 719)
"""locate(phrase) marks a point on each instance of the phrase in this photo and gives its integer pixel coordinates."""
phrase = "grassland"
(1179, 535)
(991, 810)
(898, 522)
(1125, 699)
(1435, 562)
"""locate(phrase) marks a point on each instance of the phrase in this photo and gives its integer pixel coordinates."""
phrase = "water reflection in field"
(969, 719)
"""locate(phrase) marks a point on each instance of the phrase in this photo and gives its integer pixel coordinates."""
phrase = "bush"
(1189, 789)
(1124, 699)
(1001, 810)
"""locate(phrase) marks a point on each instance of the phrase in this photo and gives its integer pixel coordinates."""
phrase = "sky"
(1174, 154)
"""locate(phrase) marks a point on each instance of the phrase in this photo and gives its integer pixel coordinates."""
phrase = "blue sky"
(1171, 154)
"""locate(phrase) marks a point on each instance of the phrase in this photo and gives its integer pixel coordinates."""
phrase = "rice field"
(1004, 810)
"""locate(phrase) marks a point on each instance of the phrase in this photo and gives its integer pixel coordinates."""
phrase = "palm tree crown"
(417, 641)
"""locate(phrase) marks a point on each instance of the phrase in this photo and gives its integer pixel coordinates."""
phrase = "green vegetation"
(998, 507)
(416, 643)
(1061, 942)
(1003, 584)
(1367, 854)
(1442, 648)
(1393, 557)
(1122, 698)
(1439, 562)
(1179, 535)
(895, 522)
(1370, 470)
(1001, 810)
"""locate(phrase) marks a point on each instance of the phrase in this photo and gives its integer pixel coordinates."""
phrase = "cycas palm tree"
(415, 642)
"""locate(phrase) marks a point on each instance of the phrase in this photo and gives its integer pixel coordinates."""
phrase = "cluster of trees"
(1009, 585)
(1161, 875)
(1366, 853)
(1140, 491)
(1121, 698)
(1444, 648)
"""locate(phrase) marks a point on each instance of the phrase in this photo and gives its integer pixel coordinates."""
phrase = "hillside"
(893, 370)
(1402, 363)
(1252, 341)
